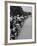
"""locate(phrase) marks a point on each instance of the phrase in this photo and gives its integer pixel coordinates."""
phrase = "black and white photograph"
(21, 22)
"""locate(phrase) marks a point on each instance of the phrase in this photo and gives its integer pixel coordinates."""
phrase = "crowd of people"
(17, 17)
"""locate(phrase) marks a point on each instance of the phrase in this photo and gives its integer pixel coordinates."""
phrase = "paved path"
(26, 30)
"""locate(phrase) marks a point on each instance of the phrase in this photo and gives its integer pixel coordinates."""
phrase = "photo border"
(6, 22)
